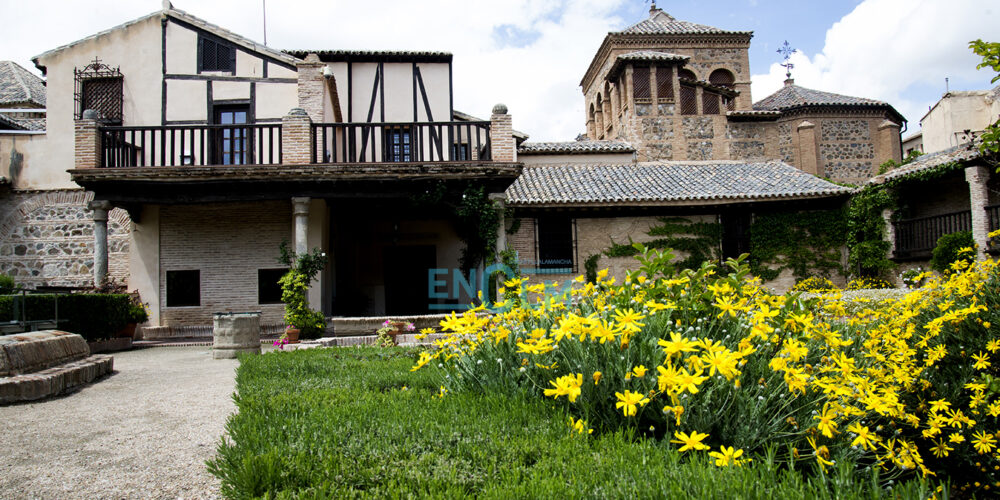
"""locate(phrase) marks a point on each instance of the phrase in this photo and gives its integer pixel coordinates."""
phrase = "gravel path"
(143, 432)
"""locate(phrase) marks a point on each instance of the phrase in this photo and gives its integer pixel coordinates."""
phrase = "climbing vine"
(806, 242)
(477, 221)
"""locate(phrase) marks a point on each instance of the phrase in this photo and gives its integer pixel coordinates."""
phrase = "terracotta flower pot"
(127, 331)
(292, 335)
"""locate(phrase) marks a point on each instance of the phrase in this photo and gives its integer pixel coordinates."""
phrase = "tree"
(990, 52)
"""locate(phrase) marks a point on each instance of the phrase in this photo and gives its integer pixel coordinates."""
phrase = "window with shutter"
(214, 55)
(640, 83)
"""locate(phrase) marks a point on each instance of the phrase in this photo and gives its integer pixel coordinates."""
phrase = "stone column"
(890, 232)
(979, 197)
(300, 212)
(887, 146)
(502, 144)
(808, 159)
(100, 208)
(87, 141)
(500, 204)
(296, 138)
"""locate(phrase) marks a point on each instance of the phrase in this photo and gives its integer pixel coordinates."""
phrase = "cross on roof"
(786, 50)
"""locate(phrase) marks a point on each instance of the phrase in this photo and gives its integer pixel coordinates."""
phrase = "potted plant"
(135, 314)
(302, 321)
(390, 330)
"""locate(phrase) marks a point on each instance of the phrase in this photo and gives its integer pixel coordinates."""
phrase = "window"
(665, 83)
(460, 152)
(268, 289)
(183, 288)
(689, 100)
(640, 82)
(556, 244)
(722, 78)
(397, 145)
(735, 234)
(709, 103)
(216, 56)
(99, 87)
(231, 142)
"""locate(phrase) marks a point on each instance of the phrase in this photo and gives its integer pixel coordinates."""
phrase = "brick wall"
(227, 243)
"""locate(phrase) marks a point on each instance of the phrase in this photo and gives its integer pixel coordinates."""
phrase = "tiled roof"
(32, 124)
(198, 22)
(793, 96)
(575, 147)
(368, 55)
(961, 153)
(661, 23)
(19, 86)
(666, 183)
(466, 117)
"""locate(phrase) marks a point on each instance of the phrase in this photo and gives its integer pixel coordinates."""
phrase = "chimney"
(789, 81)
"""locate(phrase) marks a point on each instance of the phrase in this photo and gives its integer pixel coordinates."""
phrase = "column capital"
(300, 205)
(100, 208)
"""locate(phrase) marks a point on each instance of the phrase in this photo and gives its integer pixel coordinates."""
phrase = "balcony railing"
(918, 237)
(169, 146)
(400, 142)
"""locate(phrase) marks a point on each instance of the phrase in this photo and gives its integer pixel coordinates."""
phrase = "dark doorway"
(406, 271)
(735, 234)
(230, 145)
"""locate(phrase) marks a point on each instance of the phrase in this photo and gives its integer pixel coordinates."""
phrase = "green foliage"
(806, 242)
(891, 164)
(478, 221)
(990, 52)
(302, 270)
(699, 240)
(814, 284)
(866, 230)
(94, 316)
(355, 422)
(7, 284)
(590, 266)
(949, 249)
(137, 313)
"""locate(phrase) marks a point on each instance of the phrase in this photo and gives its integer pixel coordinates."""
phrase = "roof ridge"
(14, 71)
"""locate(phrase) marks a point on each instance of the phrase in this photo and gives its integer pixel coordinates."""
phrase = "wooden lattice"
(709, 103)
(665, 83)
(99, 87)
(640, 83)
(689, 100)
(722, 78)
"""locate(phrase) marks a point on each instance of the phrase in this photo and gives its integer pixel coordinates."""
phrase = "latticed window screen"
(640, 82)
(722, 78)
(99, 87)
(686, 74)
(216, 56)
(689, 100)
(730, 103)
(709, 103)
(664, 82)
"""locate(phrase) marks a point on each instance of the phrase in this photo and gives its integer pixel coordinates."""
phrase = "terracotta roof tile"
(575, 147)
(961, 153)
(19, 86)
(666, 183)
(661, 23)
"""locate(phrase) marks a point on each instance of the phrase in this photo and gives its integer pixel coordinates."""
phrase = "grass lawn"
(355, 422)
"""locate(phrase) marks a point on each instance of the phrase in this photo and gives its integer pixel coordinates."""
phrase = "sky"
(532, 54)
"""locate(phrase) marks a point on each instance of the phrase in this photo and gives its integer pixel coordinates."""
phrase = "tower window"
(640, 82)
(665, 83)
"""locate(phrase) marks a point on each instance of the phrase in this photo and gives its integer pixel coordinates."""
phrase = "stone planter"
(233, 333)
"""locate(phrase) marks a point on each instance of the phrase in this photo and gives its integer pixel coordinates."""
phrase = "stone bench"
(36, 365)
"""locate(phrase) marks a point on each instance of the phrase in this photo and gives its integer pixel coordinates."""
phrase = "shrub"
(869, 283)
(949, 249)
(914, 278)
(669, 354)
(295, 287)
(93, 316)
(814, 284)
(7, 284)
(355, 423)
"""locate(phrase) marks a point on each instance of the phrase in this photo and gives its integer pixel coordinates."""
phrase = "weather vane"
(786, 50)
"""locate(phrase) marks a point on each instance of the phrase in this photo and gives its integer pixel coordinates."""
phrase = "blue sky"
(531, 54)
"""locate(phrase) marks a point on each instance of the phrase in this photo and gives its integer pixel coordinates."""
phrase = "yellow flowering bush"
(814, 284)
(709, 360)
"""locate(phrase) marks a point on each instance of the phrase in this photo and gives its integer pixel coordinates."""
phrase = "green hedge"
(93, 316)
(356, 423)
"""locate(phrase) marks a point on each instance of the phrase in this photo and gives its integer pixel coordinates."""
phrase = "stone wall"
(47, 239)
(227, 243)
(846, 150)
(786, 149)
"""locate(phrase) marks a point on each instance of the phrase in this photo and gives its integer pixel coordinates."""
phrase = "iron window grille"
(99, 87)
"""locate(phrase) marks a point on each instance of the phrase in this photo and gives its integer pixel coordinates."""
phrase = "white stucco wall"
(944, 124)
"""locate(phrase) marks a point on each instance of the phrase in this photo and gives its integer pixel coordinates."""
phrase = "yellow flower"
(941, 449)
(826, 423)
(725, 456)
(629, 320)
(982, 361)
(580, 426)
(597, 377)
(956, 438)
(627, 402)
(676, 344)
(864, 438)
(983, 442)
(690, 442)
(567, 385)
(640, 371)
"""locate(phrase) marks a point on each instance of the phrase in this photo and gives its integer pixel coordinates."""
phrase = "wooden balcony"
(420, 142)
(916, 238)
(190, 145)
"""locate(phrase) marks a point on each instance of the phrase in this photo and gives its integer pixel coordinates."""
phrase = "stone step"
(55, 380)
(35, 351)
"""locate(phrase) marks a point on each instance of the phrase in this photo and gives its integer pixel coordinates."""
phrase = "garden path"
(143, 432)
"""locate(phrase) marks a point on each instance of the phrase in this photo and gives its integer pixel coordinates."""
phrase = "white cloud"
(898, 51)
(539, 81)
